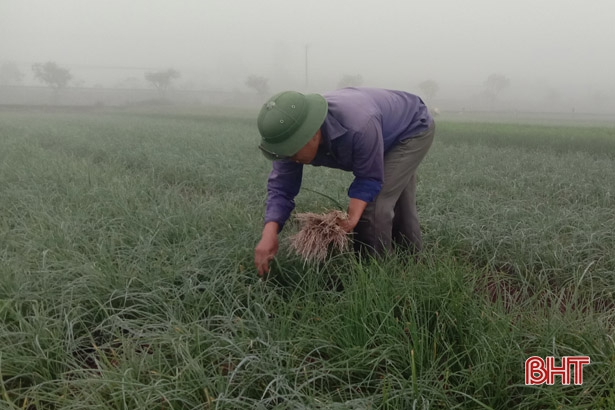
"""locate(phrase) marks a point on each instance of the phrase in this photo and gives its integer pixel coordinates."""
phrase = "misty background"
(549, 55)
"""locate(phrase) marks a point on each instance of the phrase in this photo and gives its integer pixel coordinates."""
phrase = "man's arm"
(368, 169)
(282, 186)
(355, 210)
(367, 162)
(267, 247)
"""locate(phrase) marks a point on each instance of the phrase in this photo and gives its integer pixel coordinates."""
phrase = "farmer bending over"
(380, 135)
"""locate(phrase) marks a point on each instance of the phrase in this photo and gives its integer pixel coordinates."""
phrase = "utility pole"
(306, 67)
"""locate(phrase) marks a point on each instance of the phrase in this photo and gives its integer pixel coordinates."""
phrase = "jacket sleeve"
(367, 162)
(282, 187)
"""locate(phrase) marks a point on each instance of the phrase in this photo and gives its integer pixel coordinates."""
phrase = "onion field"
(127, 277)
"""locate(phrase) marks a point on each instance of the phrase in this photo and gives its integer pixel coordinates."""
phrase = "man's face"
(306, 154)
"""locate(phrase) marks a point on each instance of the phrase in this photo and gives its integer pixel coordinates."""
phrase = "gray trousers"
(392, 217)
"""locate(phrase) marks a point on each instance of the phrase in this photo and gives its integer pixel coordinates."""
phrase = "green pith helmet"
(288, 121)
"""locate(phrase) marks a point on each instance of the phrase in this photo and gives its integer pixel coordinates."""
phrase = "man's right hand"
(267, 248)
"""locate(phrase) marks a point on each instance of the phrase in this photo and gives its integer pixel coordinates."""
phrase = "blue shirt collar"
(331, 128)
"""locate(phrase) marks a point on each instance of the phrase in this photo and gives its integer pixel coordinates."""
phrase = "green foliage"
(161, 80)
(126, 248)
(259, 83)
(52, 74)
(429, 88)
(495, 84)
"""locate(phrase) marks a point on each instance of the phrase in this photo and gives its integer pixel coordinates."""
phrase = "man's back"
(400, 114)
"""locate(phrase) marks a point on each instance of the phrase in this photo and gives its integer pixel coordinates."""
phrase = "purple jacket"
(362, 124)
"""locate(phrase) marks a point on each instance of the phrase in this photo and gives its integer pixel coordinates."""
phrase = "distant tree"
(10, 74)
(52, 75)
(161, 80)
(494, 84)
(429, 88)
(258, 83)
(349, 80)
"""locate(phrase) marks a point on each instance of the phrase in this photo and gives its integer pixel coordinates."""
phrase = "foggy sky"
(391, 43)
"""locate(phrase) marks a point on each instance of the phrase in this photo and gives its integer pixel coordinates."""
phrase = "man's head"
(289, 125)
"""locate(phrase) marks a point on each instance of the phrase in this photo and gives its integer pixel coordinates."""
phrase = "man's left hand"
(355, 210)
(347, 224)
